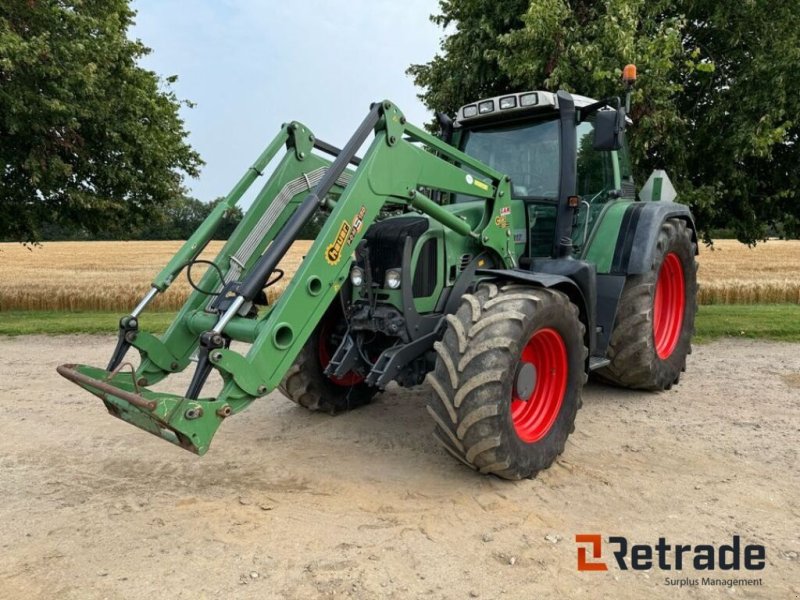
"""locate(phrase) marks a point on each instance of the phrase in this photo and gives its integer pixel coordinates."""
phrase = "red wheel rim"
(534, 418)
(325, 352)
(668, 306)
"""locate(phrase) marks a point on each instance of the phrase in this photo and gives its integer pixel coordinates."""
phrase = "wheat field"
(113, 276)
(733, 273)
(101, 276)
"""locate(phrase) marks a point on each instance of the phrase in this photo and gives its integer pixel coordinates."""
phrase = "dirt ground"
(289, 504)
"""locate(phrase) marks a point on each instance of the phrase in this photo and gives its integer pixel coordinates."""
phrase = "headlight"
(486, 107)
(356, 276)
(392, 279)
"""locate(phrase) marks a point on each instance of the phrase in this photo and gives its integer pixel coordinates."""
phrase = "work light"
(508, 102)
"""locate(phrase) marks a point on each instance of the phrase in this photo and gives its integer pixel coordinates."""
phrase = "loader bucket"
(190, 424)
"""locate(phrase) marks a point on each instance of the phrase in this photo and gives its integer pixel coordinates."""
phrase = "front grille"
(628, 190)
(464, 261)
(385, 240)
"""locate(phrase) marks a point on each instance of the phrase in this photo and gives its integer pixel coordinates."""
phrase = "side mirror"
(609, 129)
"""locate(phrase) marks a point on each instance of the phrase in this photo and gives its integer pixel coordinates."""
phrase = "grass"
(771, 322)
(56, 322)
(755, 321)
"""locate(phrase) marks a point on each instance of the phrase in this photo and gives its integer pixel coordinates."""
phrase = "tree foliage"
(183, 216)
(176, 220)
(89, 140)
(717, 101)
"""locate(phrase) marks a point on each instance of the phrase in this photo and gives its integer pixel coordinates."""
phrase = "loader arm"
(400, 161)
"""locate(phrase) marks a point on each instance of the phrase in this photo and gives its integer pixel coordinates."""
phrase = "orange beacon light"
(629, 74)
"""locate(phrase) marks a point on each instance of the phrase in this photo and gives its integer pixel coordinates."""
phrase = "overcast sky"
(250, 65)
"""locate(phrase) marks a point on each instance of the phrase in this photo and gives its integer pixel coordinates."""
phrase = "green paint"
(437, 212)
(658, 184)
(168, 419)
(603, 239)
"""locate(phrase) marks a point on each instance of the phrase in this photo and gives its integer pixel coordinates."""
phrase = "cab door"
(598, 181)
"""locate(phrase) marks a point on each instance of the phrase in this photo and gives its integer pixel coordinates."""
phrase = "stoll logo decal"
(664, 556)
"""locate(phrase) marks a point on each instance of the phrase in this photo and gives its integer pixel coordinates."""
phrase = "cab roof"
(512, 104)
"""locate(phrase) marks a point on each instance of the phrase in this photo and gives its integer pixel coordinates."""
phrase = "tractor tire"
(655, 320)
(306, 383)
(508, 379)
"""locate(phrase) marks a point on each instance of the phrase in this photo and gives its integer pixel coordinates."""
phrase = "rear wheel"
(508, 379)
(655, 320)
(306, 383)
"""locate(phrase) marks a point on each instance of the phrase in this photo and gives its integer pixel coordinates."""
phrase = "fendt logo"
(668, 557)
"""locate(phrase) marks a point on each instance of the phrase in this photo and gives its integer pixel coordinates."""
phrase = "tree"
(183, 216)
(89, 140)
(176, 220)
(717, 101)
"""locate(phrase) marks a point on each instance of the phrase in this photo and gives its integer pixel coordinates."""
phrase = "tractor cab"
(548, 145)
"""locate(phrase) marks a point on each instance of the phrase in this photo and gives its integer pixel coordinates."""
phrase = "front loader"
(501, 262)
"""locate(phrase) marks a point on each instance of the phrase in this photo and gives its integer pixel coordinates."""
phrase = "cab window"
(595, 168)
(526, 152)
(595, 181)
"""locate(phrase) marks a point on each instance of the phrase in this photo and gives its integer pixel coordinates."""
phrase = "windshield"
(528, 153)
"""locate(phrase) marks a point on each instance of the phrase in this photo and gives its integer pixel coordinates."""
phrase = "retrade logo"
(668, 557)
(596, 544)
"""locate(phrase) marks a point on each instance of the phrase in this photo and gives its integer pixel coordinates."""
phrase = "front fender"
(558, 282)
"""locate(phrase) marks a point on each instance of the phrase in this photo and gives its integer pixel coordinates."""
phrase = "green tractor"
(501, 261)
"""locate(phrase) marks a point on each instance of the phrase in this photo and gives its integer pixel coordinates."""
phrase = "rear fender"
(636, 243)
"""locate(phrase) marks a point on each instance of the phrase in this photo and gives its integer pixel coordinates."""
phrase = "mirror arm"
(587, 111)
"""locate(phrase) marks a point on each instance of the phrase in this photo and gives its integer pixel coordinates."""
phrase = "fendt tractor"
(501, 261)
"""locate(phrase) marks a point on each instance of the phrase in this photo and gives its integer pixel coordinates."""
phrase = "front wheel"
(508, 378)
(655, 319)
(306, 383)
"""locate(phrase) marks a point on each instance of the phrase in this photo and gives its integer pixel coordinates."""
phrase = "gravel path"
(289, 504)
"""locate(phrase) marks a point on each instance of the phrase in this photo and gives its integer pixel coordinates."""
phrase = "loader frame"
(401, 160)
